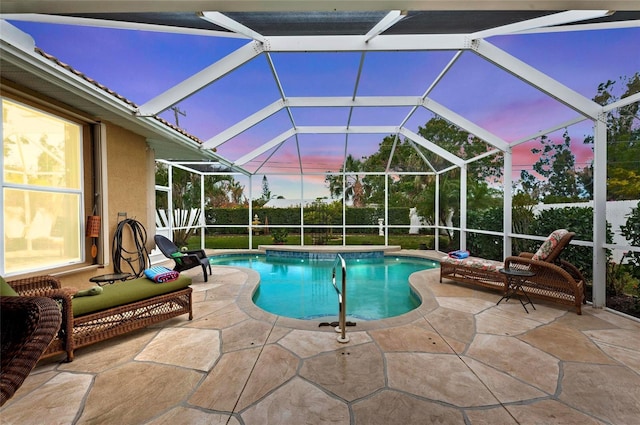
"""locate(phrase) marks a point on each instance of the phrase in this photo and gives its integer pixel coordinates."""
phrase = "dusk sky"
(140, 65)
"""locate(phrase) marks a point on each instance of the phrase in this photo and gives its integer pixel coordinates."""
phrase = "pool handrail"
(342, 297)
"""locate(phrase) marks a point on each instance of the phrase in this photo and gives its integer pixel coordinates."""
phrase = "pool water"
(302, 289)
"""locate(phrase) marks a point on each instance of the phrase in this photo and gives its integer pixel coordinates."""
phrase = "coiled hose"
(137, 260)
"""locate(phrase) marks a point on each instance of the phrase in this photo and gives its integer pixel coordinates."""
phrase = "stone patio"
(458, 359)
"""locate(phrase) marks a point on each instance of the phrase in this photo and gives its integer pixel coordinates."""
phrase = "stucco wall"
(130, 189)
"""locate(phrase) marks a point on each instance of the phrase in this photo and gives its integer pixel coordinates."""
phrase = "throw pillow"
(549, 245)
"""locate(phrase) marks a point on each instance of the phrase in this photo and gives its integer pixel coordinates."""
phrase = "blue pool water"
(302, 289)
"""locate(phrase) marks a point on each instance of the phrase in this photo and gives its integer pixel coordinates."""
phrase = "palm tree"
(354, 189)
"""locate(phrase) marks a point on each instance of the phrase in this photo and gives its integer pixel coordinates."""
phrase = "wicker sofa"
(121, 307)
(555, 280)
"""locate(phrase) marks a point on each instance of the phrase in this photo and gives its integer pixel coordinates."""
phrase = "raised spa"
(298, 285)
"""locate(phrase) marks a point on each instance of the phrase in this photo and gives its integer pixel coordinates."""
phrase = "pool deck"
(458, 359)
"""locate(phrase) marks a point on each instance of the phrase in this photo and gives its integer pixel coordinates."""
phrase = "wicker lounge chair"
(29, 324)
(122, 307)
(184, 260)
(555, 279)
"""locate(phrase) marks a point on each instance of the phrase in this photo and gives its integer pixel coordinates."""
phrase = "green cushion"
(126, 292)
(6, 290)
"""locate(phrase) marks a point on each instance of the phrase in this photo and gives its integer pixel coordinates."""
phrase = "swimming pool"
(301, 288)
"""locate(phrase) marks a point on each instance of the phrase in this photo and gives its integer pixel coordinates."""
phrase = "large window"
(41, 190)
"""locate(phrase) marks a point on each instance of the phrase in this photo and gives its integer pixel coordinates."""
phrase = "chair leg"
(204, 272)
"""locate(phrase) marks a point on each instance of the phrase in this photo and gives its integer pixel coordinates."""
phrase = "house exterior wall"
(130, 184)
(130, 189)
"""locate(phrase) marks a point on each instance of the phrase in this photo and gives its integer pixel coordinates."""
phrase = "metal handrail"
(342, 298)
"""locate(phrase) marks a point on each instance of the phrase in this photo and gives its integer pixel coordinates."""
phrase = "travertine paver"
(297, 402)
(607, 392)
(438, 377)
(503, 386)
(57, 401)
(503, 322)
(223, 386)
(310, 343)
(549, 412)
(453, 325)
(105, 355)
(494, 416)
(225, 317)
(518, 359)
(134, 392)
(625, 338)
(246, 334)
(350, 372)
(274, 367)
(629, 358)
(464, 304)
(394, 408)
(565, 343)
(190, 348)
(410, 338)
(206, 309)
(186, 416)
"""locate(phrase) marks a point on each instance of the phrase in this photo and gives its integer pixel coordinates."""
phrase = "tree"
(623, 140)
(355, 190)
(556, 166)
(266, 192)
(631, 231)
(480, 173)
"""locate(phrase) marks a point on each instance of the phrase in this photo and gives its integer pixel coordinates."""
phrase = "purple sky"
(140, 65)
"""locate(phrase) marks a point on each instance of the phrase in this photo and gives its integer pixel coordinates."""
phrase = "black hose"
(137, 260)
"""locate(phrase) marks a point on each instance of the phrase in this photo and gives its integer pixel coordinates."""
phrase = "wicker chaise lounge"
(554, 279)
(29, 324)
(122, 307)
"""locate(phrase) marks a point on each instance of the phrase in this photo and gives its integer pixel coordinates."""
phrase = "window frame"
(84, 136)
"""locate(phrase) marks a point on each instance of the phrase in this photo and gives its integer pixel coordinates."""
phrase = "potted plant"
(279, 235)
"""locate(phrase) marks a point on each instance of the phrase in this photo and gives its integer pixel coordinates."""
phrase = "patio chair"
(29, 324)
(554, 279)
(184, 260)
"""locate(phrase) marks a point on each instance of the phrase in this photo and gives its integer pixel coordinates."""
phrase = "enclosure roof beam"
(385, 23)
(265, 147)
(548, 131)
(245, 124)
(465, 124)
(302, 102)
(358, 101)
(543, 21)
(352, 43)
(338, 129)
(431, 147)
(224, 21)
(201, 79)
(622, 102)
(107, 23)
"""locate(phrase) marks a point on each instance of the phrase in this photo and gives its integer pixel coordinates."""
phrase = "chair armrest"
(198, 252)
(526, 254)
(187, 260)
(572, 270)
(33, 286)
(547, 274)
